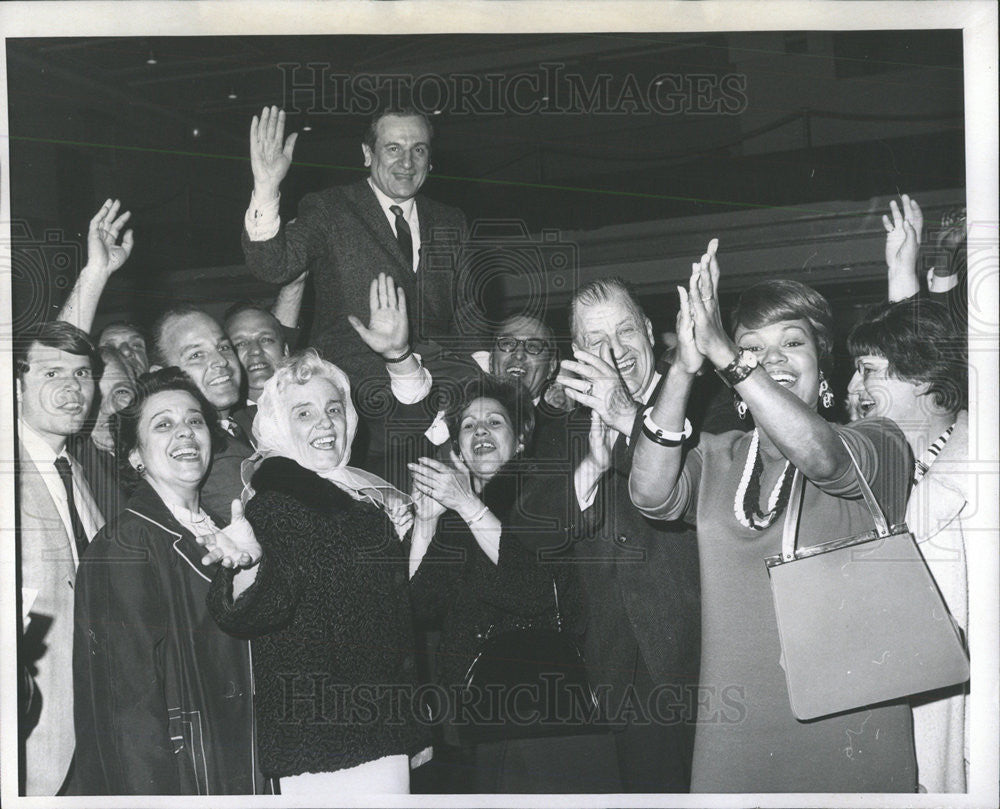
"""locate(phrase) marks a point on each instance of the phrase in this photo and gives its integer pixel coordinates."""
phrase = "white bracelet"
(667, 435)
(478, 515)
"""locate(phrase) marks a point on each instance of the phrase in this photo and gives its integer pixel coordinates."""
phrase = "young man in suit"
(345, 236)
(56, 366)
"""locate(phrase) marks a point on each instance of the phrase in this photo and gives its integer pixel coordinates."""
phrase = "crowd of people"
(254, 560)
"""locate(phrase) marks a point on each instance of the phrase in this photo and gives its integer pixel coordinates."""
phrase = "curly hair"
(512, 396)
(772, 301)
(125, 423)
(922, 343)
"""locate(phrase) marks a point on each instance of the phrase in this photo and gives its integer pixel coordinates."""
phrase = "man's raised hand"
(104, 254)
(270, 152)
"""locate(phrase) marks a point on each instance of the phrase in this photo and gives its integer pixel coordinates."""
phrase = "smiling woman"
(735, 487)
(327, 605)
(163, 699)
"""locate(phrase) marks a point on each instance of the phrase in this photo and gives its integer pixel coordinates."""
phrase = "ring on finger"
(590, 389)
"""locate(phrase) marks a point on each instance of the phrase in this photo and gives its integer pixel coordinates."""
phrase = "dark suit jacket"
(641, 582)
(342, 236)
(224, 482)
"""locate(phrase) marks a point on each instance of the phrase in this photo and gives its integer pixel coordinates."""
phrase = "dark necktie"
(403, 235)
(79, 535)
(235, 430)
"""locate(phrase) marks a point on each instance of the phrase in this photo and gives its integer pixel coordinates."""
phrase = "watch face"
(748, 358)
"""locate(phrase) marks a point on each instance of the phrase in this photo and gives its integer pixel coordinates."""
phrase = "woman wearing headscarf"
(735, 488)
(327, 606)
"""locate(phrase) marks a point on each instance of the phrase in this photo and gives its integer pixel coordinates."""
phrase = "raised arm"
(803, 436)
(288, 304)
(656, 466)
(902, 247)
(104, 257)
(270, 152)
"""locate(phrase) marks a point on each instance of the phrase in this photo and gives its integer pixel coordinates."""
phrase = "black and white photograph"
(499, 404)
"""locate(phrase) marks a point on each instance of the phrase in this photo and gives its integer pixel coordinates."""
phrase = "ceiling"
(570, 132)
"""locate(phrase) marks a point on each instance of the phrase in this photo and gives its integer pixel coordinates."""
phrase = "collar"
(387, 202)
(37, 447)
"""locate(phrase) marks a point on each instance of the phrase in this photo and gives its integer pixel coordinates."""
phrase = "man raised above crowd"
(346, 235)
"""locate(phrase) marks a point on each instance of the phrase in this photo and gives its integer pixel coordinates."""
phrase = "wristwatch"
(739, 369)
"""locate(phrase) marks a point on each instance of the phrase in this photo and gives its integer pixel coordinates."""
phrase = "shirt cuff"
(411, 387)
(938, 284)
(262, 220)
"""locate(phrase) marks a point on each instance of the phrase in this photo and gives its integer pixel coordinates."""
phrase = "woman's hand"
(270, 152)
(593, 381)
(234, 546)
(426, 509)
(710, 336)
(902, 234)
(451, 486)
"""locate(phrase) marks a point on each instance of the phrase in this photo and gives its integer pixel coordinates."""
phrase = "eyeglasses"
(533, 345)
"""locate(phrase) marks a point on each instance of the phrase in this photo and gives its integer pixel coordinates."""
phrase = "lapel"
(147, 505)
(366, 206)
(40, 520)
(244, 418)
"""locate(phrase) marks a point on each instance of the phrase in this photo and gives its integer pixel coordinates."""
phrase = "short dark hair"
(56, 334)
(121, 324)
(603, 290)
(922, 343)
(155, 348)
(771, 301)
(402, 112)
(240, 307)
(512, 396)
(125, 423)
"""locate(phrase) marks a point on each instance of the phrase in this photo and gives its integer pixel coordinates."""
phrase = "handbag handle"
(790, 532)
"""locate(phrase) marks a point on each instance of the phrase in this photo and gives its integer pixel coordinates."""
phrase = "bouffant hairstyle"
(512, 396)
(772, 301)
(922, 344)
(125, 423)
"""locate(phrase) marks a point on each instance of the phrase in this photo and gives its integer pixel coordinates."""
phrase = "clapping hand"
(451, 485)
(270, 152)
(702, 299)
(425, 507)
(601, 440)
(388, 330)
(593, 381)
(234, 546)
(103, 251)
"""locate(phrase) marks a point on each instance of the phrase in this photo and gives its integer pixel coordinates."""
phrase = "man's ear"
(367, 152)
(649, 331)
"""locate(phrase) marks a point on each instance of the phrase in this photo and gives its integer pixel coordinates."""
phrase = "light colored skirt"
(388, 775)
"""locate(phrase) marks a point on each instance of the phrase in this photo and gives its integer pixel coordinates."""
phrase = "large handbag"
(861, 620)
(527, 682)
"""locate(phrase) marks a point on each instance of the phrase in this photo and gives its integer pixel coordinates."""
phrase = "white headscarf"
(272, 429)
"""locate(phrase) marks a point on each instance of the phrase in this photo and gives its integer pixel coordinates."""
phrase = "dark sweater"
(330, 617)
(458, 588)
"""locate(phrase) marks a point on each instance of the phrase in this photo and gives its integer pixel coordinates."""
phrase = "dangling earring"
(740, 405)
(140, 468)
(825, 394)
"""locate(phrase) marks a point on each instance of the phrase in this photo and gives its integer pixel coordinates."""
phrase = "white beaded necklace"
(746, 502)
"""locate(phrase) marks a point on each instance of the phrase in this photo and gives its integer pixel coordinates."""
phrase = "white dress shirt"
(42, 455)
